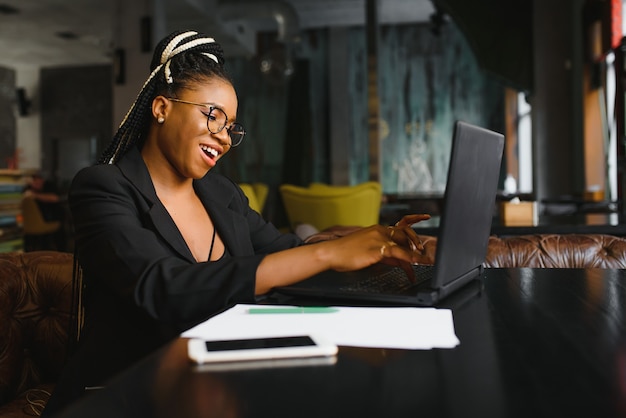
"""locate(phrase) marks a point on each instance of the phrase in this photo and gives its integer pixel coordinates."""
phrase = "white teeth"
(209, 150)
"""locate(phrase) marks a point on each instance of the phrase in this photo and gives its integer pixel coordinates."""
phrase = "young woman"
(163, 242)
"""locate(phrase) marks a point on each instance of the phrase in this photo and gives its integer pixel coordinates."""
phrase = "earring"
(161, 120)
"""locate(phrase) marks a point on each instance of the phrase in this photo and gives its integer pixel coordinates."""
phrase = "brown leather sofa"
(36, 304)
(557, 251)
(550, 251)
(35, 327)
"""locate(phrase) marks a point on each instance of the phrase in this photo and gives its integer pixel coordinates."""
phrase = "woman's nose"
(224, 137)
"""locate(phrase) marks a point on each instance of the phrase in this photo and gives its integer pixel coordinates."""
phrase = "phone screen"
(252, 344)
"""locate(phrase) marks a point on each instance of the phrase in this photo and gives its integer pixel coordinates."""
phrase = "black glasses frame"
(235, 130)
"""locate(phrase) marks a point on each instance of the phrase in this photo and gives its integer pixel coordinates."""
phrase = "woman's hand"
(396, 245)
(402, 231)
(350, 248)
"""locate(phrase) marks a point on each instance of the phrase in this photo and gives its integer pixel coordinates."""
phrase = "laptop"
(462, 240)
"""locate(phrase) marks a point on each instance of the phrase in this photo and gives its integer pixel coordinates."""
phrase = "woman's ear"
(159, 108)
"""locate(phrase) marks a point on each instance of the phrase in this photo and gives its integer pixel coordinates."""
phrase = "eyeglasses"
(216, 121)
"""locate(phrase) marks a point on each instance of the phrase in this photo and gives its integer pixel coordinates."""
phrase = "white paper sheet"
(388, 327)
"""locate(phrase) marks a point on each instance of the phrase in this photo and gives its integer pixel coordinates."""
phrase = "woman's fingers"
(395, 245)
(393, 252)
(409, 220)
(405, 236)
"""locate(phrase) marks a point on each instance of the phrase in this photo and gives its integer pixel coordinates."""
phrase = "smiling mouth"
(210, 152)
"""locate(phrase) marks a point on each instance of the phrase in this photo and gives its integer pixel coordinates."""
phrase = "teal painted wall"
(426, 82)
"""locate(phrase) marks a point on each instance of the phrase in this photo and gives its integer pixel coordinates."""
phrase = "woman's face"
(183, 138)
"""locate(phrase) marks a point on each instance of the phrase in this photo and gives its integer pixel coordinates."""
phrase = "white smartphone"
(203, 351)
(274, 363)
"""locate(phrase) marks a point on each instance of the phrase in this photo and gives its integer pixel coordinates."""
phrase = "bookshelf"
(12, 184)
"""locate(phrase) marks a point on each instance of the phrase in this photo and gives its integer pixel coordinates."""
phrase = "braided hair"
(179, 60)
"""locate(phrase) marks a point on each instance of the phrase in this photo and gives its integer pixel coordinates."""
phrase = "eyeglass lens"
(216, 121)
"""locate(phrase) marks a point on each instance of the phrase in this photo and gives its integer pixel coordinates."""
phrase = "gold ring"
(382, 250)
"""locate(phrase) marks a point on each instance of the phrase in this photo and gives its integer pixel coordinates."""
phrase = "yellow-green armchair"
(323, 206)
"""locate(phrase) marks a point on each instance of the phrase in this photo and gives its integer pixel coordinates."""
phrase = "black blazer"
(128, 244)
(143, 286)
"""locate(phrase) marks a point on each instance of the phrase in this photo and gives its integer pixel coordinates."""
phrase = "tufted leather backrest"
(550, 251)
(557, 251)
(35, 318)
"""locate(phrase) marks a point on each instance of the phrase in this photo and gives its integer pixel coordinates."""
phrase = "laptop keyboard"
(391, 281)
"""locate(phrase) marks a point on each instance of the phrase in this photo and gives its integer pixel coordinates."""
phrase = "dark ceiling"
(72, 32)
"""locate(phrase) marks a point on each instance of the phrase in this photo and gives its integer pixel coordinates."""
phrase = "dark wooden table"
(534, 343)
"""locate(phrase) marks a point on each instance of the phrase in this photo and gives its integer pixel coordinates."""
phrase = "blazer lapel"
(231, 225)
(135, 170)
